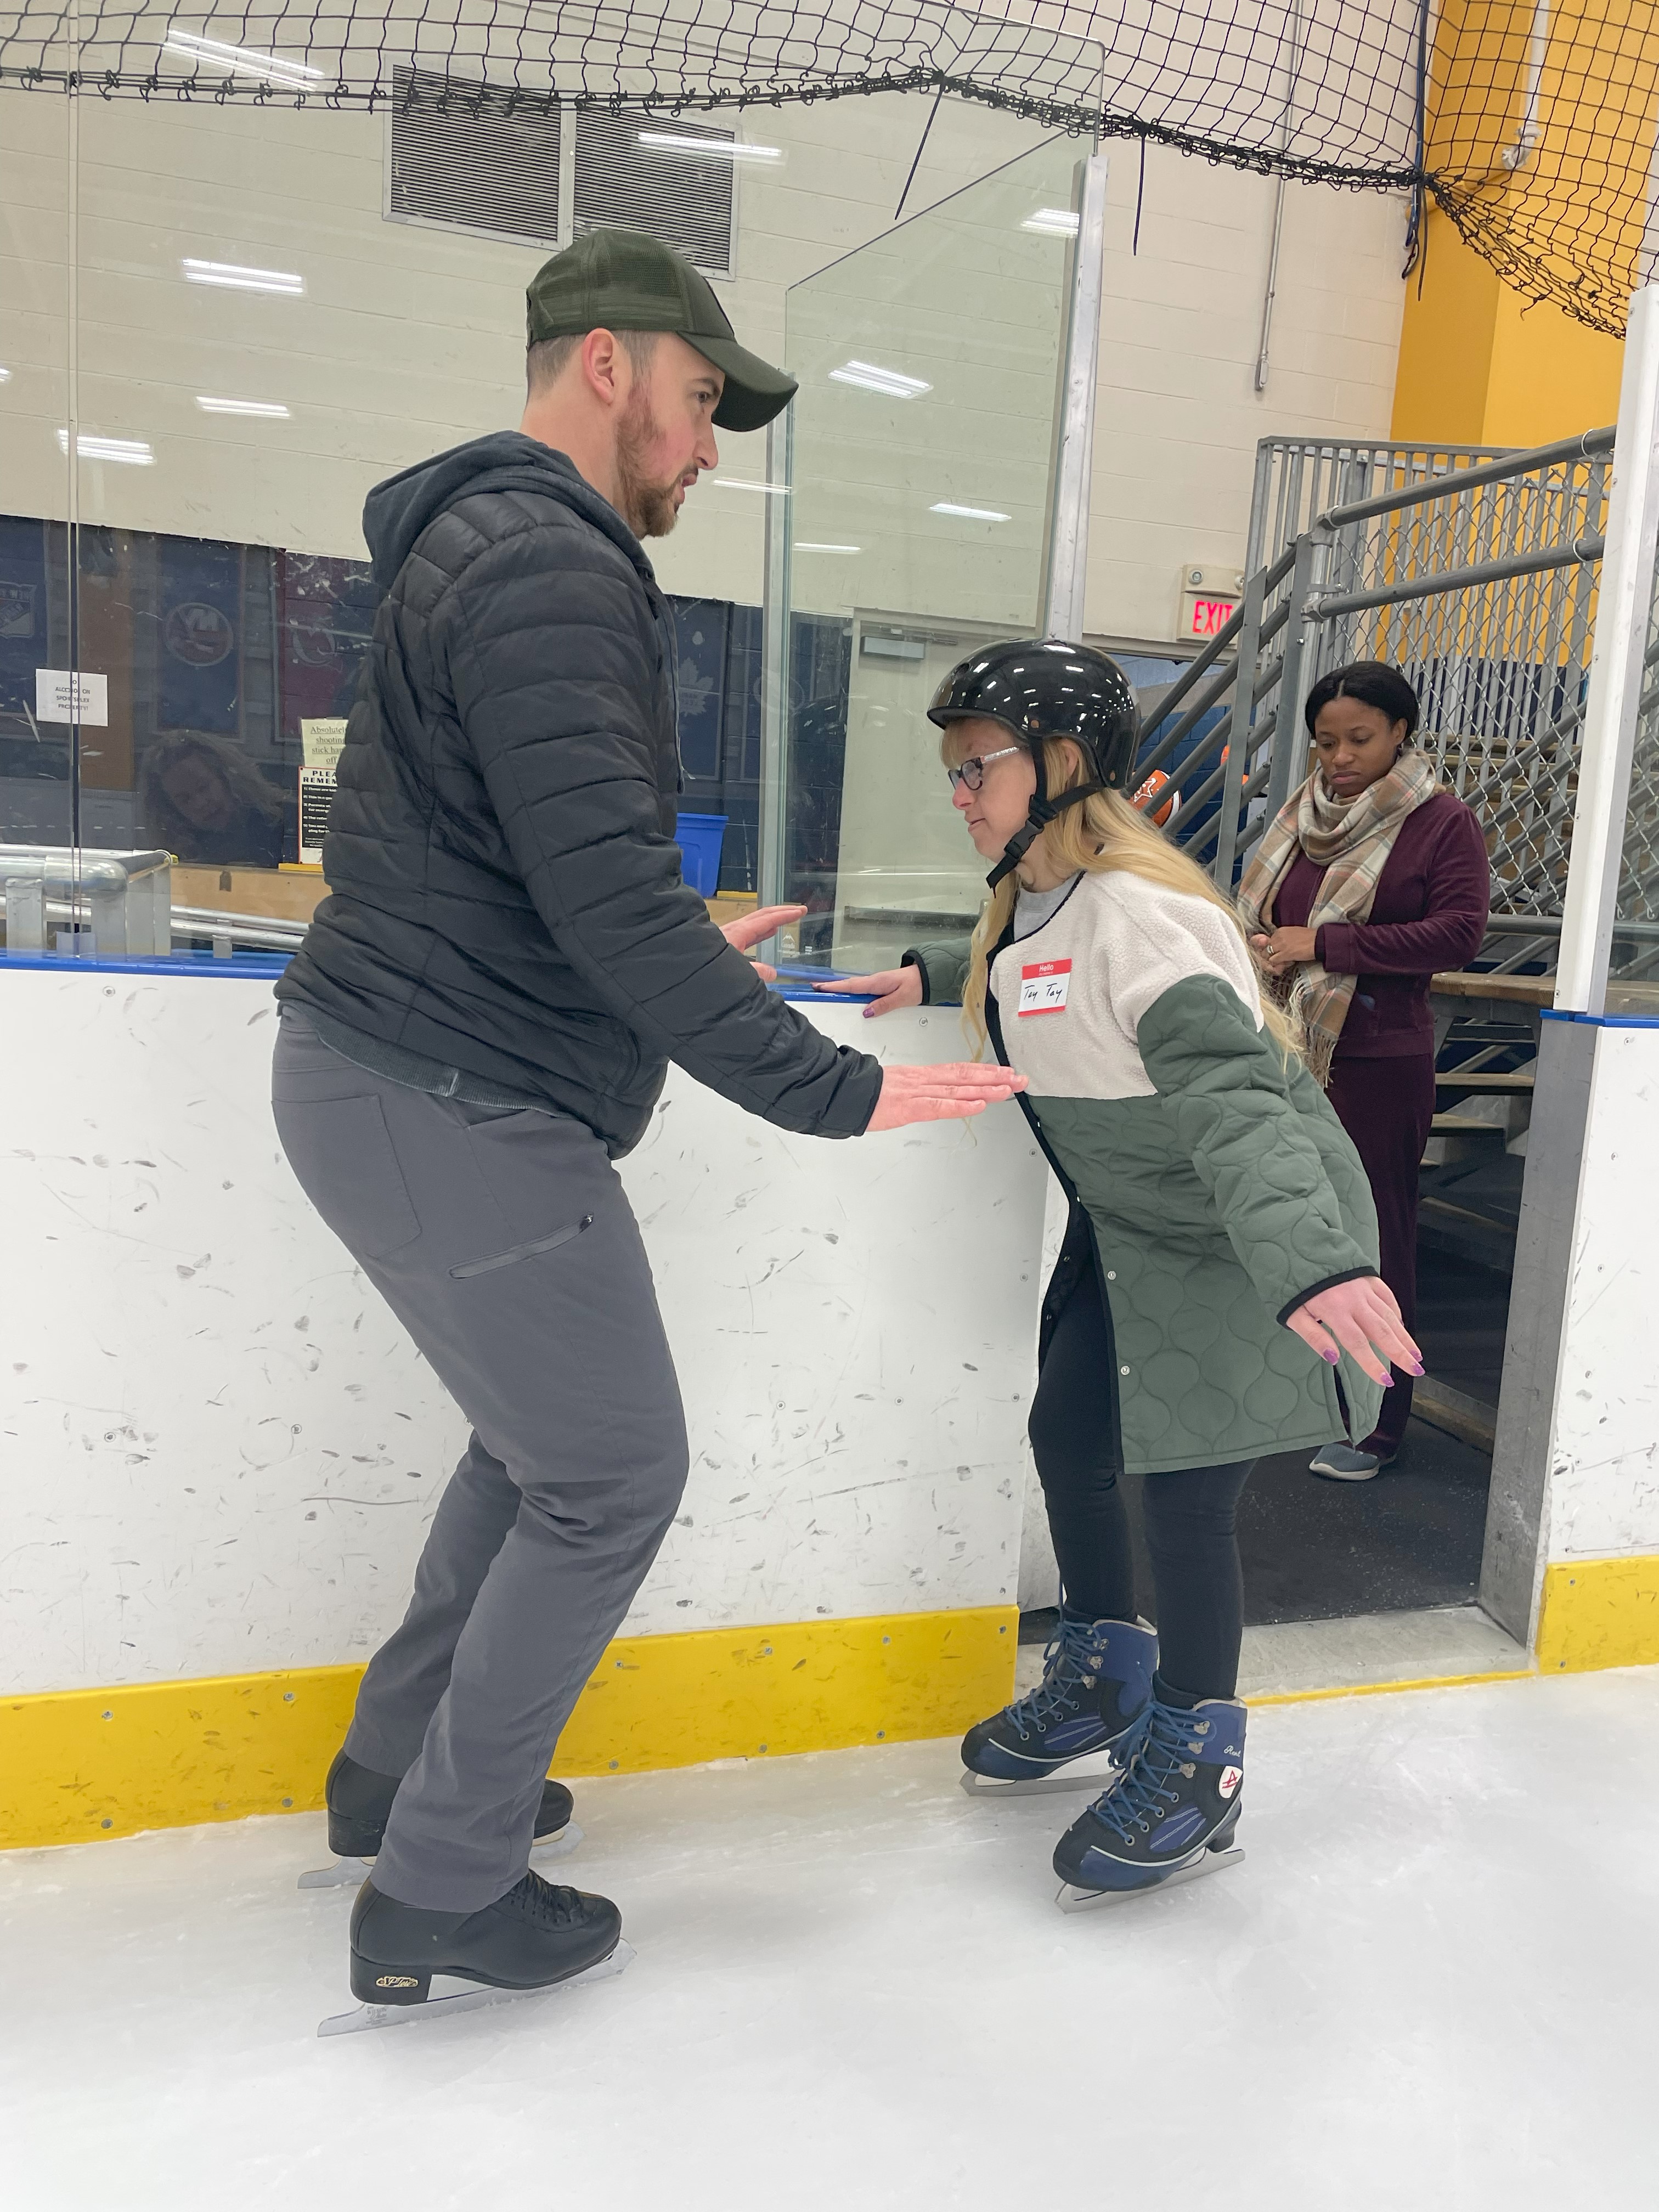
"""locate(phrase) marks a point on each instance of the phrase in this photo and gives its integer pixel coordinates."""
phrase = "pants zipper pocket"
(522, 1251)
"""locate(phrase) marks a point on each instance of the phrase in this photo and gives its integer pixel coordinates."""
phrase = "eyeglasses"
(972, 771)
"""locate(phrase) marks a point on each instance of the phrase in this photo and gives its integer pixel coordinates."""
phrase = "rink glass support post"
(1517, 1515)
(1623, 617)
(771, 866)
(1066, 578)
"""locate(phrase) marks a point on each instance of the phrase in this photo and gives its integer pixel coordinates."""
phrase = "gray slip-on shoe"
(1342, 1464)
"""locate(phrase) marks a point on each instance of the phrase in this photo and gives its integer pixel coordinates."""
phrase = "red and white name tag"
(1044, 987)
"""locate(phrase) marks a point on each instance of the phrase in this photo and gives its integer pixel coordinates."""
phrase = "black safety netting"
(1531, 124)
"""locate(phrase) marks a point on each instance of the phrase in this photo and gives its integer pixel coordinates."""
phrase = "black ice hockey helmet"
(1039, 687)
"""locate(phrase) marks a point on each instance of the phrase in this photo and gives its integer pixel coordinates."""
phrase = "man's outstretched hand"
(755, 928)
(940, 1094)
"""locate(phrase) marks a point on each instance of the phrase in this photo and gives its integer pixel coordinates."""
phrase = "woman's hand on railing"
(1363, 1317)
(892, 988)
(956, 1092)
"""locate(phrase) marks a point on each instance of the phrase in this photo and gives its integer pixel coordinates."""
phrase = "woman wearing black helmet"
(1219, 1263)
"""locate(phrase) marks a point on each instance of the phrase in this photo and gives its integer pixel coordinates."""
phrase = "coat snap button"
(1123, 1371)
(1112, 1274)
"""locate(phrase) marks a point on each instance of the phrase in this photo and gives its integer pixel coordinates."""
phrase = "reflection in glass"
(922, 447)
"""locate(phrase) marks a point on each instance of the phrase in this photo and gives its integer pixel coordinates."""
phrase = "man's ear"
(603, 371)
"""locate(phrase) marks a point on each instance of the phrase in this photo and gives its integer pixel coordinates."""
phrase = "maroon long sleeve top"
(1429, 914)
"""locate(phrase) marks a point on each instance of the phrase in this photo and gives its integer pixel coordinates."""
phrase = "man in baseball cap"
(616, 280)
(478, 1023)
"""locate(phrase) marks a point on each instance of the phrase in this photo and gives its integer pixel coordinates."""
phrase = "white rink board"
(1604, 1462)
(218, 1452)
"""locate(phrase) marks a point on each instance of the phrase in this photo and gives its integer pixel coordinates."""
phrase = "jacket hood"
(399, 510)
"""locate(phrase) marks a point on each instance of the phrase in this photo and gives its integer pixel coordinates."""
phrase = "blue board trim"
(254, 967)
(1602, 1021)
(240, 968)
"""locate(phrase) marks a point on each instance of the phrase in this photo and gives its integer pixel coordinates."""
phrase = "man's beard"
(647, 509)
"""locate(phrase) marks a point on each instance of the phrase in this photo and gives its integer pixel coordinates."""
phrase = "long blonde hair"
(1102, 832)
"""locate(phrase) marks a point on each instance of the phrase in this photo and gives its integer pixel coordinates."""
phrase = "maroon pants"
(1386, 1107)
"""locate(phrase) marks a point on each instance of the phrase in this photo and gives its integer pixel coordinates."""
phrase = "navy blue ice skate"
(1169, 1815)
(1096, 1679)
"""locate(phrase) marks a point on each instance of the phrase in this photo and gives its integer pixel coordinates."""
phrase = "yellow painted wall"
(1480, 366)
(1479, 363)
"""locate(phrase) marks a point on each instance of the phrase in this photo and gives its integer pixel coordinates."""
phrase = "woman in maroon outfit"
(1370, 880)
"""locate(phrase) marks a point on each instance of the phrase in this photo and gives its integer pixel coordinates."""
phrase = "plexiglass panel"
(36, 765)
(922, 448)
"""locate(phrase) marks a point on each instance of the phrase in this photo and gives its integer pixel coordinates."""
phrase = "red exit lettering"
(1210, 616)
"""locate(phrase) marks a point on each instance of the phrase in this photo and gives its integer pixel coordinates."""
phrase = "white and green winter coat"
(1213, 1188)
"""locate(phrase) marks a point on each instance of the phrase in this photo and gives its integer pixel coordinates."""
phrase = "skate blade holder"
(1039, 1785)
(1070, 1899)
(353, 1873)
(467, 1997)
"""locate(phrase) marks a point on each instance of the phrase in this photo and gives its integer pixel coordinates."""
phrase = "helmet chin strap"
(1044, 810)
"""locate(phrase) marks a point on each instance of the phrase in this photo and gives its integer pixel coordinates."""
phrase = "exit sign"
(1208, 616)
(1210, 597)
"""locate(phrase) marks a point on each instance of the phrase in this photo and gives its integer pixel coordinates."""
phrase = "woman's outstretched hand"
(940, 1094)
(893, 987)
(755, 928)
(1363, 1319)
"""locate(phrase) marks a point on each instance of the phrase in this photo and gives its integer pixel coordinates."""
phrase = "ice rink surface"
(1433, 1981)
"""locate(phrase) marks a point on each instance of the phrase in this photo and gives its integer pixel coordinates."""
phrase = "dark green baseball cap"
(616, 280)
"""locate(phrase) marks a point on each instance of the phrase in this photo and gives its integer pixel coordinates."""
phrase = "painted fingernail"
(1335, 1358)
(1418, 1369)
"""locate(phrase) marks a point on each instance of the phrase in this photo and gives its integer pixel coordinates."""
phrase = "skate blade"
(1040, 1785)
(1071, 1898)
(363, 2018)
(354, 1873)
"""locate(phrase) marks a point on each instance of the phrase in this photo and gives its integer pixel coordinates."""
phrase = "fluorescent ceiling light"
(801, 546)
(891, 383)
(239, 61)
(1052, 223)
(973, 513)
(90, 449)
(270, 407)
(237, 279)
(5, 376)
(711, 150)
(745, 483)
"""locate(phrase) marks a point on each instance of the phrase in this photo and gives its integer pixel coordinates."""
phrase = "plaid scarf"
(1351, 839)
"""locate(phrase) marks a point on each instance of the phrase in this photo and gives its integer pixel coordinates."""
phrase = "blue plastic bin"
(701, 836)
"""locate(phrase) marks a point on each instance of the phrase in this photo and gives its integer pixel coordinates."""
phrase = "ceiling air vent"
(464, 155)
(684, 199)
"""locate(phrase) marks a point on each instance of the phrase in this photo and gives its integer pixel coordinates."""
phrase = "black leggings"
(1189, 1514)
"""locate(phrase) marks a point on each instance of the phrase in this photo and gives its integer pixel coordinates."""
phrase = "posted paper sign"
(60, 696)
(316, 798)
(323, 737)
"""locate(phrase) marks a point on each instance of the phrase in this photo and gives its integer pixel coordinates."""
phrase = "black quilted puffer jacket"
(505, 889)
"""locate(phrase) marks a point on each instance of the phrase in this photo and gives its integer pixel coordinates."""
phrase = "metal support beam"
(1068, 541)
(1623, 612)
(770, 858)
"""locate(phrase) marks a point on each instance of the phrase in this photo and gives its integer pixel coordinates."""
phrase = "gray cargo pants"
(504, 1244)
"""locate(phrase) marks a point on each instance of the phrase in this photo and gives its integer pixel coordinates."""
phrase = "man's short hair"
(545, 362)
